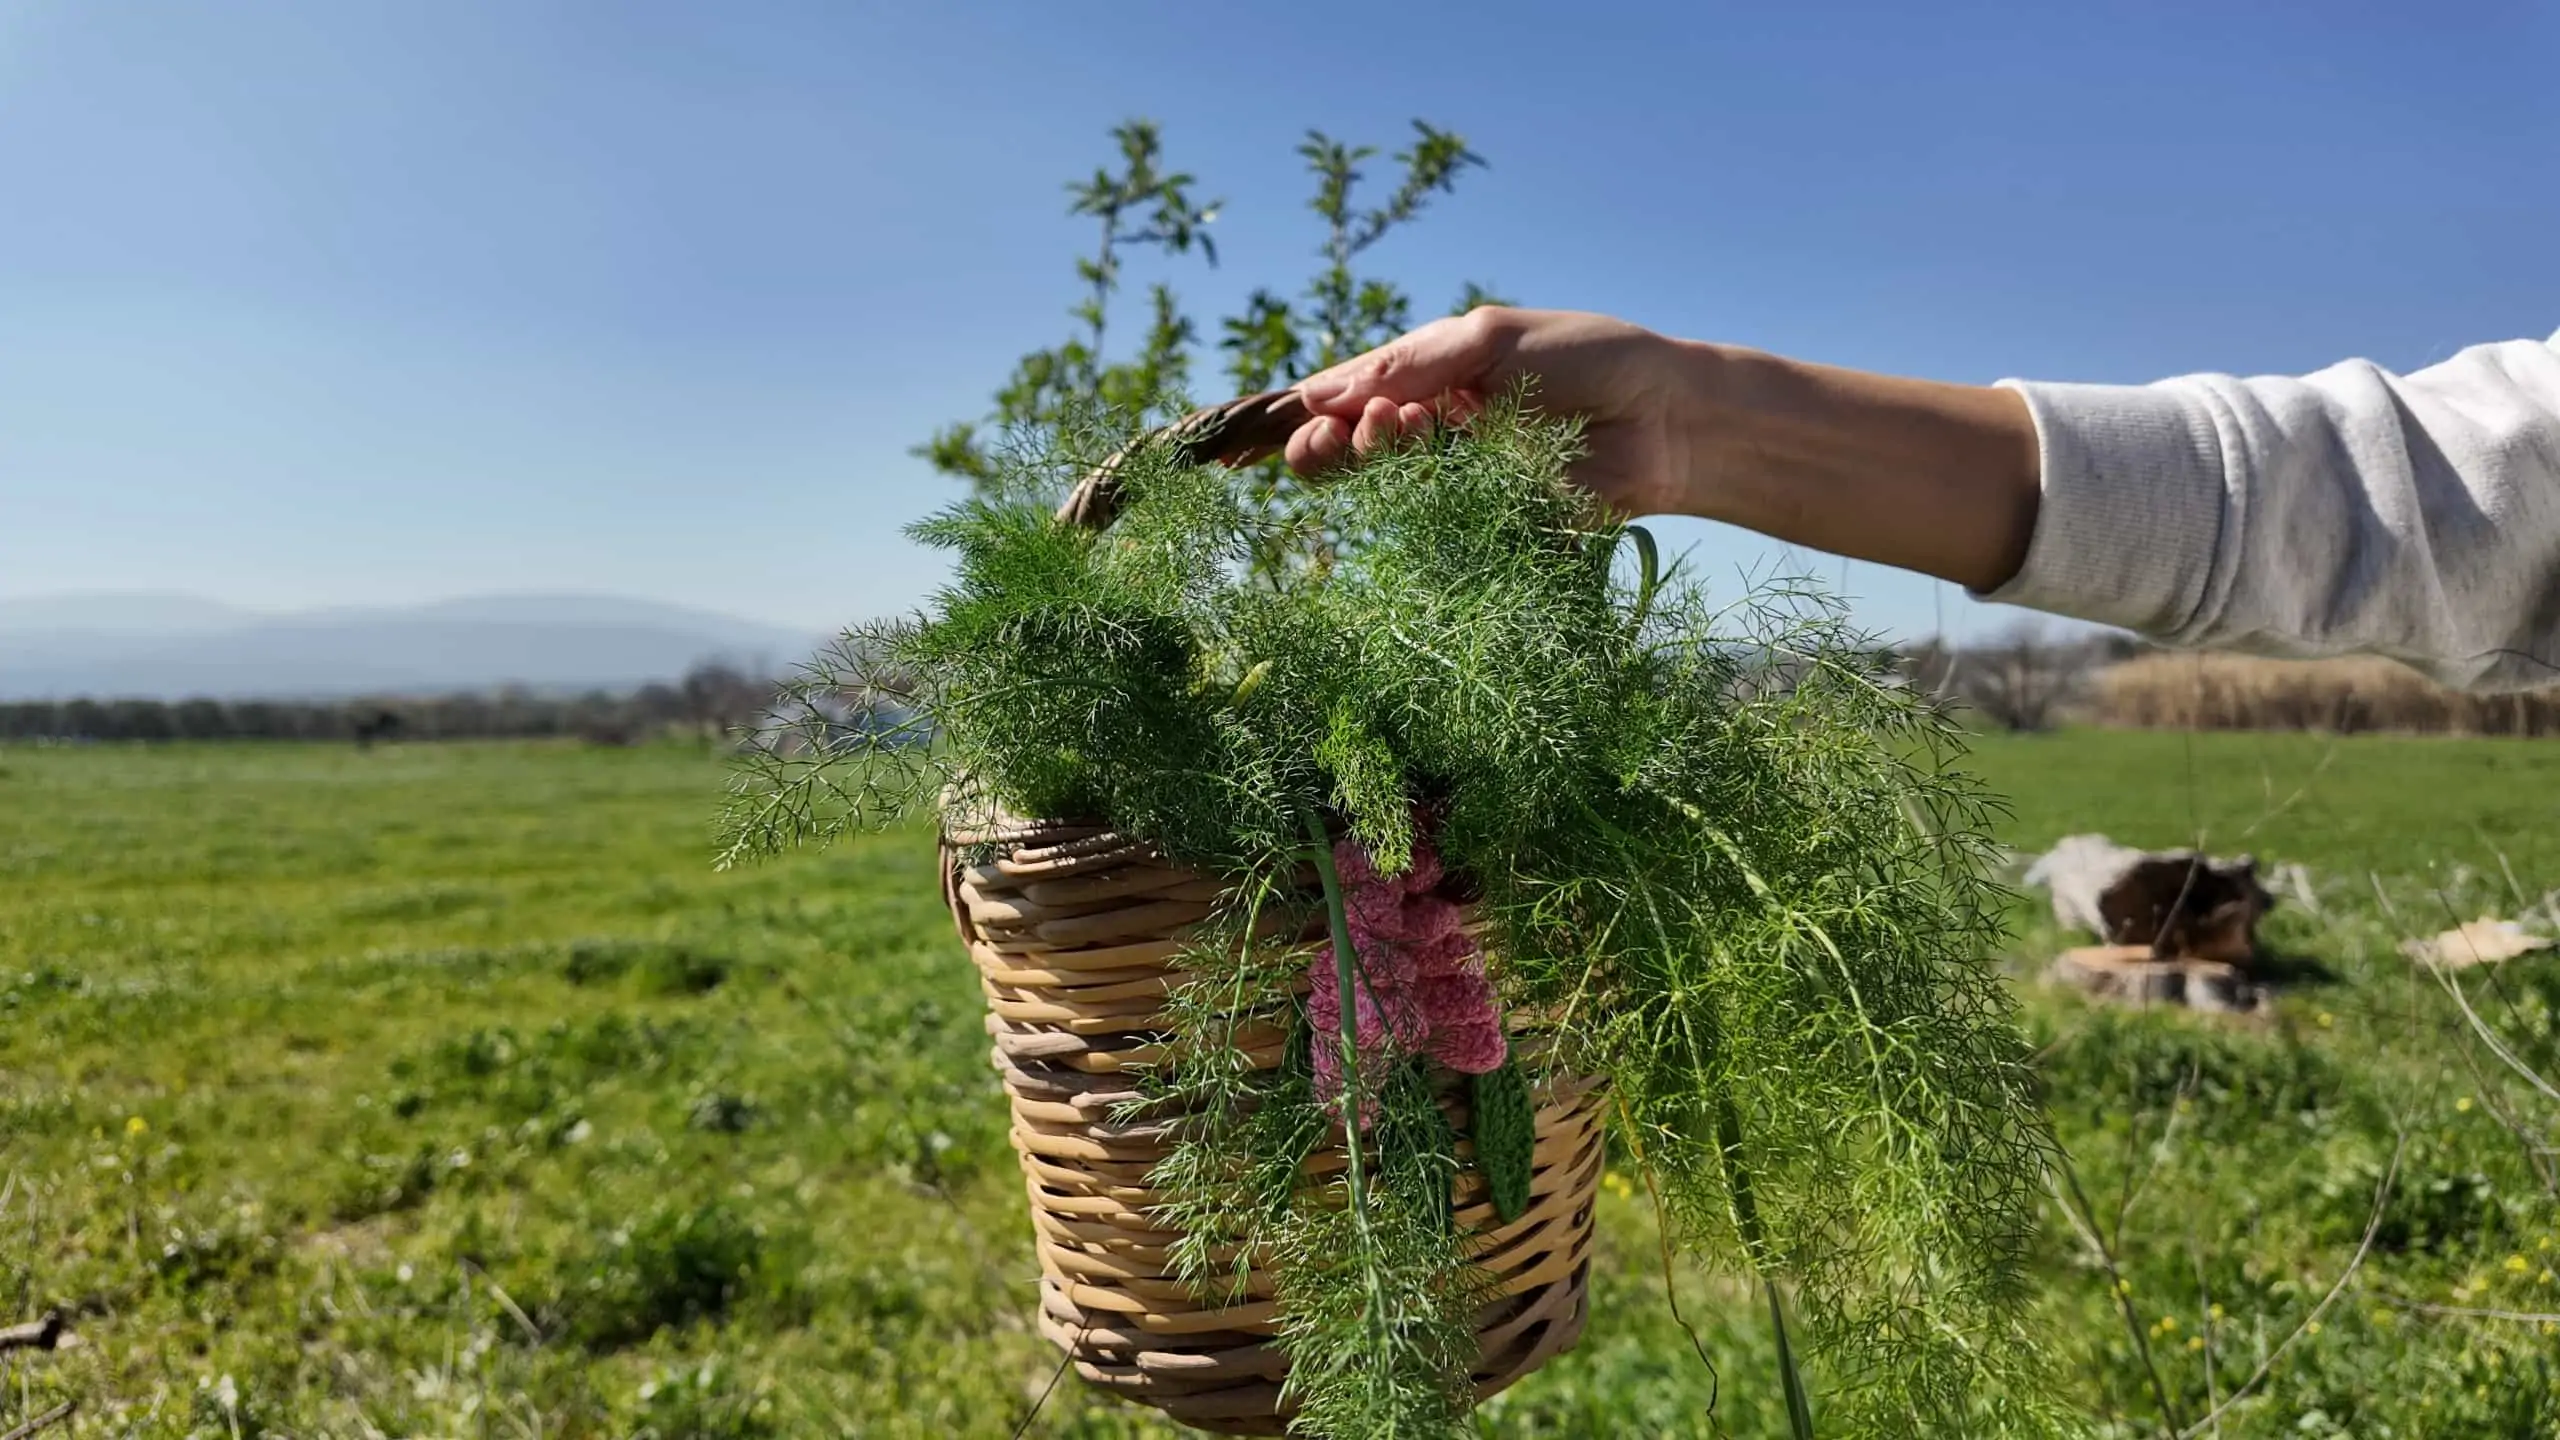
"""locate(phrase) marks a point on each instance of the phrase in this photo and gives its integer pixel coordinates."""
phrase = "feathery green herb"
(1719, 854)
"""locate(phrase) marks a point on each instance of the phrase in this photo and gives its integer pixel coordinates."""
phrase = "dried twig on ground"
(2065, 1184)
(2466, 1312)
(2489, 1037)
(52, 1417)
(2364, 1247)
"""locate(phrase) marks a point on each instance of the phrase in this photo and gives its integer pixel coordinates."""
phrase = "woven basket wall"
(1074, 931)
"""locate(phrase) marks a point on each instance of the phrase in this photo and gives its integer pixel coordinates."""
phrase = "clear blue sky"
(360, 302)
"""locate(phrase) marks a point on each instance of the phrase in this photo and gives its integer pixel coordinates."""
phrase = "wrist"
(1738, 435)
(1703, 428)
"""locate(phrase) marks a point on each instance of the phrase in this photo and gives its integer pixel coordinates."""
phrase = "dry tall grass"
(2239, 692)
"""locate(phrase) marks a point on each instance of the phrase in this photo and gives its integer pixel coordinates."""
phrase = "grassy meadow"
(445, 1090)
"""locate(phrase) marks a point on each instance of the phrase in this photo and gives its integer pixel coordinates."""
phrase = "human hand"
(1625, 381)
(1938, 478)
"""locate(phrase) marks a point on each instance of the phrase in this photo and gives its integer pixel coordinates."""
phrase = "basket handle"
(1238, 432)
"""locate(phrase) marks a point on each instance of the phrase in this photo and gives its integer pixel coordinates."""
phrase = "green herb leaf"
(1505, 1129)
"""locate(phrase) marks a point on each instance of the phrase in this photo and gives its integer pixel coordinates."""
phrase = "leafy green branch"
(1142, 205)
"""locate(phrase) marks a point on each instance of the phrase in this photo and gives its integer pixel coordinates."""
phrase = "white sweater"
(2415, 516)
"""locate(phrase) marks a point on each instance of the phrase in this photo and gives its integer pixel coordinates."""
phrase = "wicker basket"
(1074, 931)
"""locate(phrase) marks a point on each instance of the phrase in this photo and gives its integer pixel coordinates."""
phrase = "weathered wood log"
(40, 1334)
(2484, 941)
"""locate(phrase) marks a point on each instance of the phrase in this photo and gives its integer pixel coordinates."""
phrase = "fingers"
(1435, 375)
(1460, 352)
(1318, 445)
(1378, 425)
(1327, 441)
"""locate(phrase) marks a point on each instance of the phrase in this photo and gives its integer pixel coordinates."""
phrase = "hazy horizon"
(14, 608)
(165, 646)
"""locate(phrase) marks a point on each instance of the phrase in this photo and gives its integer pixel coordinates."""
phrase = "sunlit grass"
(446, 1090)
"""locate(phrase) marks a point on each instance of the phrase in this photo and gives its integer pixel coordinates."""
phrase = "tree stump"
(2131, 973)
(2181, 928)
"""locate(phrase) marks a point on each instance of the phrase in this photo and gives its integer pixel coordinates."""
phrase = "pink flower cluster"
(1419, 976)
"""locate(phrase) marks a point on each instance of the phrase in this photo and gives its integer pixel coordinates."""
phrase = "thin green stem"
(1799, 1412)
(1338, 919)
(1649, 573)
(1106, 276)
(1746, 1222)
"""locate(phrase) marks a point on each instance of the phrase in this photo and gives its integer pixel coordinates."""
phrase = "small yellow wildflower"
(2215, 1310)
(136, 1125)
(1619, 1185)
(2544, 1278)
(2195, 1342)
(2168, 1324)
(2463, 1104)
(2516, 1265)
(2327, 1019)
(2311, 1329)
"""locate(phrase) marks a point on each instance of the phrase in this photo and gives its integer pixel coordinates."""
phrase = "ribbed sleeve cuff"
(2133, 507)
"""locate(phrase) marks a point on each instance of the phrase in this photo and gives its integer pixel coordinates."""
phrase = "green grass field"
(446, 1090)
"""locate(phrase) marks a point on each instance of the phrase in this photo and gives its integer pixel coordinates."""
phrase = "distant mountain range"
(171, 646)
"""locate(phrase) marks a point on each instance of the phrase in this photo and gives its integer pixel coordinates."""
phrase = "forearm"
(1916, 474)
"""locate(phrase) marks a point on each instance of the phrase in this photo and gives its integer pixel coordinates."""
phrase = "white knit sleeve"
(2412, 516)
